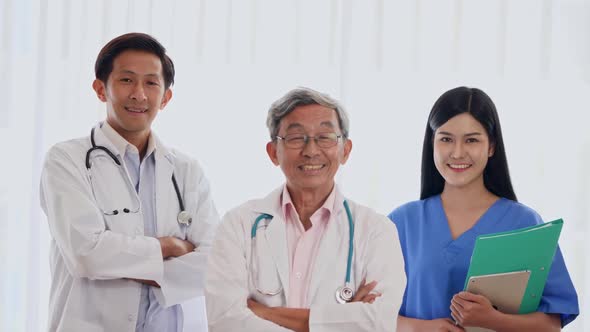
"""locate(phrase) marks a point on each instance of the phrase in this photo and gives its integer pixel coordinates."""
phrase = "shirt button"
(130, 318)
(298, 275)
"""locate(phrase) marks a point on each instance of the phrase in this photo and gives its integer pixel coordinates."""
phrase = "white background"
(387, 61)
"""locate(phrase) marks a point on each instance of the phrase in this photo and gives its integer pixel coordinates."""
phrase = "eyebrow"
(327, 124)
(127, 71)
(466, 135)
(293, 126)
(300, 126)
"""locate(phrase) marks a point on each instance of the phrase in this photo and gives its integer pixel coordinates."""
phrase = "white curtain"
(387, 61)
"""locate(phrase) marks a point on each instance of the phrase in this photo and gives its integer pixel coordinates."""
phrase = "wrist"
(165, 247)
(495, 320)
(267, 312)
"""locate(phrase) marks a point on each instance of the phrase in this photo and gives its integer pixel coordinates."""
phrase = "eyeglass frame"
(307, 138)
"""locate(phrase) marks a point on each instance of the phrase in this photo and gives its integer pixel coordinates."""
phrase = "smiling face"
(461, 151)
(310, 168)
(134, 93)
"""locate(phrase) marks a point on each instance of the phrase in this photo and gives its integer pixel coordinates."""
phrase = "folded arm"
(226, 291)
(375, 305)
(184, 275)
(383, 262)
(171, 247)
(298, 319)
(78, 228)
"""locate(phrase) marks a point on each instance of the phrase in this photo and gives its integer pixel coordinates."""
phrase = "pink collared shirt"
(303, 246)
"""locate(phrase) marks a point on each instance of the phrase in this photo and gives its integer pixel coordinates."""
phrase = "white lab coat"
(92, 253)
(377, 256)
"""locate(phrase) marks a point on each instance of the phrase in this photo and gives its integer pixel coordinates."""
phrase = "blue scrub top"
(436, 265)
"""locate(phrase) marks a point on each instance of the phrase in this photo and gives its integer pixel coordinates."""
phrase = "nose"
(138, 93)
(311, 148)
(458, 151)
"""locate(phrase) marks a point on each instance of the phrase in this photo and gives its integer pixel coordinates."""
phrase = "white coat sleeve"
(384, 264)
(226, 289)
(78, 228)
(184, 276)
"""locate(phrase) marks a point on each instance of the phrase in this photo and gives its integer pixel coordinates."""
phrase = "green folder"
(531, 248)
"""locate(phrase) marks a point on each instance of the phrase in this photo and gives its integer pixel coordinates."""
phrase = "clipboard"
(527, 249)
(504, 290)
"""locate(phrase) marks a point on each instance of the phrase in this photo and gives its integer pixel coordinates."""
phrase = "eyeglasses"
(298, 141)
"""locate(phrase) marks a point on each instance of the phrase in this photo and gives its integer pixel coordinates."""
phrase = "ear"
(100, 90)
(271, 150)
(491, 150)
(346, 151)
(166, 99)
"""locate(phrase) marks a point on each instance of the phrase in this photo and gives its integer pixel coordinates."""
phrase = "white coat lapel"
(166, 199)
(334, 243)
(275, 235)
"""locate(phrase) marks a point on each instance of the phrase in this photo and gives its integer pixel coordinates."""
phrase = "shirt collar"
(288, 206)
(122, 145)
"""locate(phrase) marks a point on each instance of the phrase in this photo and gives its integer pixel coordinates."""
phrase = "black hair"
(478, 104)
(133, 41)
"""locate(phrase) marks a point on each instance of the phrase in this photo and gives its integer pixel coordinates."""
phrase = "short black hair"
(478, 104)
(133, 41)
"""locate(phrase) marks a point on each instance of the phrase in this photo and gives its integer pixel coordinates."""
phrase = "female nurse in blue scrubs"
(465, 192)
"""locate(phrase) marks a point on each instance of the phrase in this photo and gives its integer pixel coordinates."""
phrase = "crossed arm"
(171, 247)
(298, 319)
(91, 250)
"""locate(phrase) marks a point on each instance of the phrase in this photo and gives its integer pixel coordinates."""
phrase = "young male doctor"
(305, 258)
(131, 220)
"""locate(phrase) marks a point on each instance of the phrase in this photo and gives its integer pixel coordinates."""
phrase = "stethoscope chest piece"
(344, 294)
(184, 218)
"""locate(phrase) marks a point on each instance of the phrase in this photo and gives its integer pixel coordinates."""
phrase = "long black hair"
(478, 104)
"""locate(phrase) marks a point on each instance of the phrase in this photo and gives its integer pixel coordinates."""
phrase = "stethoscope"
(344, 293)
(183, 218)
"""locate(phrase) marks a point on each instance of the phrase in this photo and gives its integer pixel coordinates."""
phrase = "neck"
(472, 195)
(138, 138)
(140, 142)
(307, 202)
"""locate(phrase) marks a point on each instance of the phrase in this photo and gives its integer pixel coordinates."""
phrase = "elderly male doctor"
(131, 220)
(305, 258)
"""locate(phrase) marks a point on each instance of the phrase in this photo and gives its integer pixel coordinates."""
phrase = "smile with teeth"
(311, 167)
(136, 110)
(459, 166)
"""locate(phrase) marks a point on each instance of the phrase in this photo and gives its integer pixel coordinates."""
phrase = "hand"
(175, 247)
(363, 293)
(294, 319)
(440, 325)
(258, 309)
(470, 309)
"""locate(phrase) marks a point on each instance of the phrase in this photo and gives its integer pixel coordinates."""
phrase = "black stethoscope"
(183, 218)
